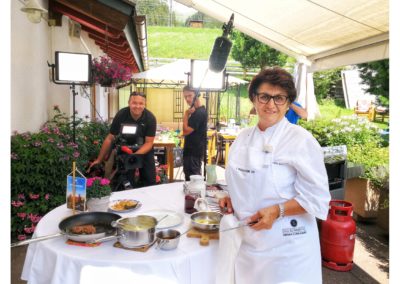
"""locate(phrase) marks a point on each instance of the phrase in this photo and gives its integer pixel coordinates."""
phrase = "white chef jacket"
(270, 167)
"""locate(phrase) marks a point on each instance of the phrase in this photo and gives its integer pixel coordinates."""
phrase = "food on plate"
(207, 221)
(83, 229)
(123, 205)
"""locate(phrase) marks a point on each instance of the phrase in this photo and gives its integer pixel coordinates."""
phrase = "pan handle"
(33, 240)
(104, 239)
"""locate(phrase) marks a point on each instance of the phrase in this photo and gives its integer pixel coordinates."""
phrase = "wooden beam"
(98, 11)
(87, 21)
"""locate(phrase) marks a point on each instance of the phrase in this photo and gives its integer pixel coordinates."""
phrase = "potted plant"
(98, 192)
(364, 192)
(108, 72)
(161, 174)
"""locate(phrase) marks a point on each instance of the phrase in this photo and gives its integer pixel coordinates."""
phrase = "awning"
(324, 34)
(112, 24)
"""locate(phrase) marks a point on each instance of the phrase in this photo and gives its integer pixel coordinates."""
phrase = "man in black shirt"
(195, 132)
(135, 114)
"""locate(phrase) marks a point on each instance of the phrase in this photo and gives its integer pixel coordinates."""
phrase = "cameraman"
(135, 113)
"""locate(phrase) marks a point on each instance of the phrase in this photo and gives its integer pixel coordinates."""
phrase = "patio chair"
(364, 107)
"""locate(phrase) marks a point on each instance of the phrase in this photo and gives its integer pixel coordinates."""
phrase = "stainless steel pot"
(100, 220)
(136, 231)
(206, 220)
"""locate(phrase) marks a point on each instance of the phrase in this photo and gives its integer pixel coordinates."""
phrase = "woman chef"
(276, 177)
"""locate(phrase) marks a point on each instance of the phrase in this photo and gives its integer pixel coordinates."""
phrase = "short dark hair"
(134, 94)
(187, 88)
(275, 76)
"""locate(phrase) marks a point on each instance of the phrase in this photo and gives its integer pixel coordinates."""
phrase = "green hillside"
(181, 42)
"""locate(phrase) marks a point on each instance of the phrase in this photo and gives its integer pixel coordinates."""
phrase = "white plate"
(112, 203)
(173, 219)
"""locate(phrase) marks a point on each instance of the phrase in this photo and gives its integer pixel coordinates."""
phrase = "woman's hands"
(264, 218)
(226, 205)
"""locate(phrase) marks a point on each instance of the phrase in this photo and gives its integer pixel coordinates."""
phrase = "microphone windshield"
(219, 54)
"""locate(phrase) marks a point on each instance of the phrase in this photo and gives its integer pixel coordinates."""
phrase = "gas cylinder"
(337, 236)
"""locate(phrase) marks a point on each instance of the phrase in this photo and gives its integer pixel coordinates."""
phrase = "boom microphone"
(221, 49)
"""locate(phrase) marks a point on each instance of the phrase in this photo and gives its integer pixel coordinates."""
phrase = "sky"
(182, 9)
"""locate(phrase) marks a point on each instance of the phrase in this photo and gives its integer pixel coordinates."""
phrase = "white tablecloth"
(54, 261)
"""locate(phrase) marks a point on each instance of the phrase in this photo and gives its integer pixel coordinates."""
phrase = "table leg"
(226, 152)
(170, 161)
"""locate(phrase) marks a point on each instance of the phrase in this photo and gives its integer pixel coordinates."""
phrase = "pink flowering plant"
(108, 72)
(161, 174)
(97, 187)
(40, 163)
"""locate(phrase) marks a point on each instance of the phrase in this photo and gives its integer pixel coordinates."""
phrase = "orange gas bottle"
(337, 235)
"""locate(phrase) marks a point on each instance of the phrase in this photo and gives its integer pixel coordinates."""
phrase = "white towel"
(229, 244)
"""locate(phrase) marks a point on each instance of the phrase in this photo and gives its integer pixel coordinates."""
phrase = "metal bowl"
(206, 220)
(168, 239)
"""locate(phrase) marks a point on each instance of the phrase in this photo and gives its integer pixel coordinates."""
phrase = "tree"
(376, 76)
(325, 82)
(254, 54)
(156, 11)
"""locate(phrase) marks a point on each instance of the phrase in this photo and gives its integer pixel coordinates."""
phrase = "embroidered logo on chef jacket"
(294, 230)
(246, 171)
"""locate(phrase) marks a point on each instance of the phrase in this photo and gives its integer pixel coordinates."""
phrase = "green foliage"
(325, 81)
(376, 76)
(346, 130)
(253, 54)
(156, 11)
(363, 141)
(375, 161)
(40, 163)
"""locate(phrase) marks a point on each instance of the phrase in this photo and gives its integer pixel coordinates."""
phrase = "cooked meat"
(83, 229)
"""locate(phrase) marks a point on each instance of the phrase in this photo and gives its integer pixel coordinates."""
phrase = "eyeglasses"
(265, 98)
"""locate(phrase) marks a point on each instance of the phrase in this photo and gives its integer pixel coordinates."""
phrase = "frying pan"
(100, 220)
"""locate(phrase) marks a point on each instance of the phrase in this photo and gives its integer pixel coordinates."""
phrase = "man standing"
(195, 132)
(141, 119)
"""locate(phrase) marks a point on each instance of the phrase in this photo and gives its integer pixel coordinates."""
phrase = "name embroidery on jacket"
(246, 171)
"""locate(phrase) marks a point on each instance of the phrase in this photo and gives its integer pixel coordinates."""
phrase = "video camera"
(126, 144)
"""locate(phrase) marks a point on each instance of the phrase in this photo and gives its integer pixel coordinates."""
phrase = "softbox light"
(73, 68)
(203, 79)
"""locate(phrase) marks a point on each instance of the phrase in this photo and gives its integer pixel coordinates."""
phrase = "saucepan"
(206, 220)
(82, 227)
(134, 232)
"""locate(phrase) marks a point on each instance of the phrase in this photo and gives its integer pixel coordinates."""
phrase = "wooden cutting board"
(140, 249)
(205, 237)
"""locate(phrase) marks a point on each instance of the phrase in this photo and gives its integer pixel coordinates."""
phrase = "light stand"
(203, 79)
(72, 69)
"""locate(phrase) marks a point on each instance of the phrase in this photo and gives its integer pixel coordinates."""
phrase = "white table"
(54, 261)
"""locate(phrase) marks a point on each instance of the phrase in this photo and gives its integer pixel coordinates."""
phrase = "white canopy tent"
(173, 73)
(320, 34)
